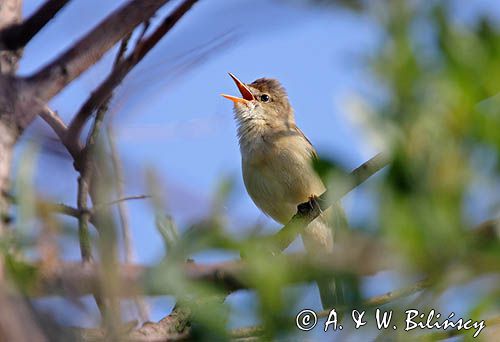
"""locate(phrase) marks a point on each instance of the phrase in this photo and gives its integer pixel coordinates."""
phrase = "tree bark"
(16, 318)
(7, 139)
(10, 13)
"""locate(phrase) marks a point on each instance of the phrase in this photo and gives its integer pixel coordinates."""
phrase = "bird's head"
(264, 100)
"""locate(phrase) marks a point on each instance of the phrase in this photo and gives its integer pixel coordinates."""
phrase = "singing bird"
(277, 166)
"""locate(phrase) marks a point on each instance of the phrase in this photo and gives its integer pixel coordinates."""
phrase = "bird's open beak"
(245, 92)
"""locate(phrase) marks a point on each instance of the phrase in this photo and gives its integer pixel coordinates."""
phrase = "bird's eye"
(265, 98)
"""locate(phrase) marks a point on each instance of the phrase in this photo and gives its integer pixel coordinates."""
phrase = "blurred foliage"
(436, 84)
(440, 79)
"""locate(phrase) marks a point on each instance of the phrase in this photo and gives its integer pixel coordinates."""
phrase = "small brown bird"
(277, 165)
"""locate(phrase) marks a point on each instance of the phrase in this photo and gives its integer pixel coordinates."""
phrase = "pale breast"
(278, 176)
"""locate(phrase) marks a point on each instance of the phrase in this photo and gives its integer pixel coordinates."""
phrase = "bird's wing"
(314, 155)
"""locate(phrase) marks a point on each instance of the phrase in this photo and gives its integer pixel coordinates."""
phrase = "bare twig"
(68, 210)
(121, 200)
(54, 121)
(61, 208)
(102, 93)
(18, 35)
(84, 217)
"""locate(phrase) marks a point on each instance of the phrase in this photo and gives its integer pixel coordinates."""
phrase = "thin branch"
(51, 79)
(18, 35)
(68, 210)
(84, 218)
(103, 92)
(54, 121)
(61, 129)
(121, 200)
(61, 208)
(44, 206)
(308, 211)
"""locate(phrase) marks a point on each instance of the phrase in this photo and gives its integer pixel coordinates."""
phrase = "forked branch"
(103, 92)
(51, 79)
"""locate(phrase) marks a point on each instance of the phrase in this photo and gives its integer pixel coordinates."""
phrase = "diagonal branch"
(64, 209)
(307, 212)
(103, 92)
(18, 35)
(121, 200)
(57, 74)
(70, 135)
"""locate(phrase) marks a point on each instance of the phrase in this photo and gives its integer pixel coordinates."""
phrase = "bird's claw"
(310, 207)
(314, 203)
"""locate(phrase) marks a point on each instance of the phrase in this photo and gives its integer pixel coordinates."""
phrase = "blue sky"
(173, 120)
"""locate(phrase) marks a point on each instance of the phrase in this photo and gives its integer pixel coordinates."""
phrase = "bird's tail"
(318, 239)
(341, 291)
(330, 293)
